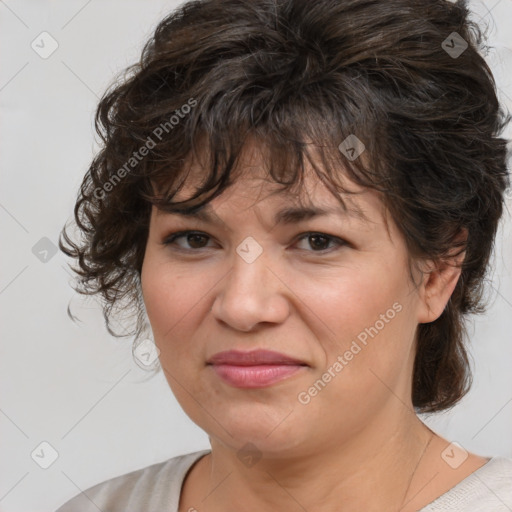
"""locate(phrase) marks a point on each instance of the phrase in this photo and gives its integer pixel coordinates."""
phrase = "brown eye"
(194, 239)
(320, 241)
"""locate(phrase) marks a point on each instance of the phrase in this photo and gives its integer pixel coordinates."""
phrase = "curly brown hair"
(406, 77)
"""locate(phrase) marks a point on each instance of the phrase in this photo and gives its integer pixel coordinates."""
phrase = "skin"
(357, 442)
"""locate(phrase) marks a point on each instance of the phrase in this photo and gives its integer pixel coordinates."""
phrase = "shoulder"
(149, 488)
(487, 488)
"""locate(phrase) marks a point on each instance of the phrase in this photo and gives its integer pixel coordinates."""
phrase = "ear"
(439, 281)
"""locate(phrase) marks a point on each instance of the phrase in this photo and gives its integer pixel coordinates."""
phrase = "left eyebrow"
(294, 215)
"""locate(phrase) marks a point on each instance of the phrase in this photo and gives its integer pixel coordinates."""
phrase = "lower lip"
(255, 376)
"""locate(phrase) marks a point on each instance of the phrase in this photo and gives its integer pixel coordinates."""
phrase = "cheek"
(366, 318)
(348, 301)
(173, 303)
(172, 300)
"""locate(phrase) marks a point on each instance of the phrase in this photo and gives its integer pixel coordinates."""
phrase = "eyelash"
(170, 240)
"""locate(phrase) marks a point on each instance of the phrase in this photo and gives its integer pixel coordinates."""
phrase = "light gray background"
(73, 385)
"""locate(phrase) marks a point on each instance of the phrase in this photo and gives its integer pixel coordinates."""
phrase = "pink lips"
(254, 369)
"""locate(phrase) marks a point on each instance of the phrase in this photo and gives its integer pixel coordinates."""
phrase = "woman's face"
(330, 293)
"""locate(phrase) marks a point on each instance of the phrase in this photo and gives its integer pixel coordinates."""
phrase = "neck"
(371, 472)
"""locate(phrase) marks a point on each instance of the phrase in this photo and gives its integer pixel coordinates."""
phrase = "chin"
(268, 435)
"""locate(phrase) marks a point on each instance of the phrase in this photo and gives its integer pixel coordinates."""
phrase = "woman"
(303, 198)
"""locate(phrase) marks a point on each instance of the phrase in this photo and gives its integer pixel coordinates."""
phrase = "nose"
(251, 294)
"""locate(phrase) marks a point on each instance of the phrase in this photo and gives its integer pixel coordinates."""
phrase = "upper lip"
(252, 358)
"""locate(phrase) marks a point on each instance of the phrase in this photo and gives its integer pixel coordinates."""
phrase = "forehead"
(251, 184)
(274, 206)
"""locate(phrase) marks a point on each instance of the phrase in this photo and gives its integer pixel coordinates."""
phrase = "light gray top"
(157, 488)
